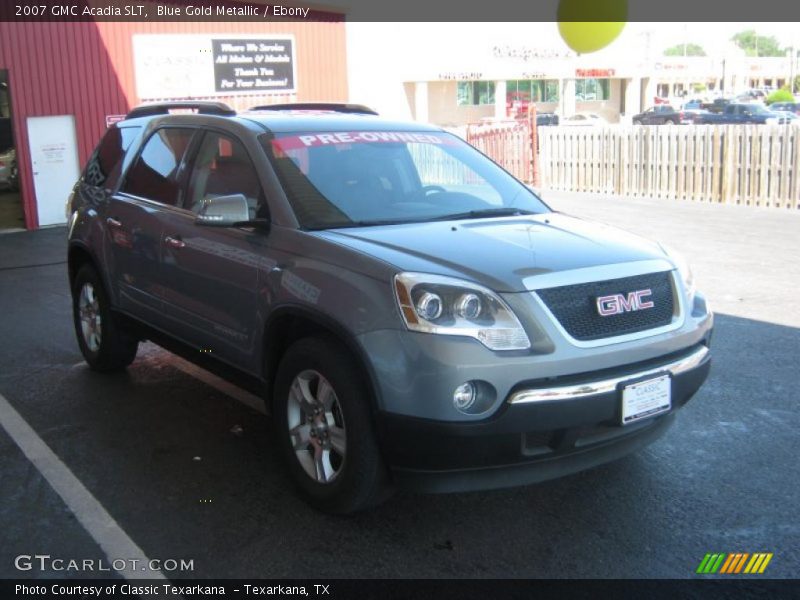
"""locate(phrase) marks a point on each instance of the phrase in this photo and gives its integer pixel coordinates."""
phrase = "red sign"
(111, 119)
(594, 72)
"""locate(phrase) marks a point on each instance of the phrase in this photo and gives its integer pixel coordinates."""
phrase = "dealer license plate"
(646, 399)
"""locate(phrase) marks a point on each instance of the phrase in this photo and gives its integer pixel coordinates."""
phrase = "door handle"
(174, 242)
(113, 222)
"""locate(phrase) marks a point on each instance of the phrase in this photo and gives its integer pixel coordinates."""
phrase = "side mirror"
(223, 211)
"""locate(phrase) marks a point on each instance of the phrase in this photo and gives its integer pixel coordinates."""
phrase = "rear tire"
(322, 424)
(103, 343)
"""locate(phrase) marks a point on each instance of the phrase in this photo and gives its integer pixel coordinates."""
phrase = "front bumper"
(544, 429)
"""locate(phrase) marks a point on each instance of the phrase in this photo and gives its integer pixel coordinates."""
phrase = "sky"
(447, 38)
(715, 36)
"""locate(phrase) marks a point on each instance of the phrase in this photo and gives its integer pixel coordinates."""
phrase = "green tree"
(685, 50)
(781, 95)
(758, 45)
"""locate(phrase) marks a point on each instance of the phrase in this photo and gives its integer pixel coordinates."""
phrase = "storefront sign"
(253, 65)
(192, 66)
(594, 72)
(527, 53)
(462, 76)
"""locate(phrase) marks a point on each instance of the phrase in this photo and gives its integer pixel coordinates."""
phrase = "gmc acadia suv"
(411, 313)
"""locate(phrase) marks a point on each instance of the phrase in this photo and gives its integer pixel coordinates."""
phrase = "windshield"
(361, 178)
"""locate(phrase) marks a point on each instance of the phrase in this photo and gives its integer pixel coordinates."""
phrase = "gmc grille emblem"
(616, 304)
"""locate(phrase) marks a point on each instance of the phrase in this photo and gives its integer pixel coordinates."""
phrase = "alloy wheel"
(316, 426)
(89, 312)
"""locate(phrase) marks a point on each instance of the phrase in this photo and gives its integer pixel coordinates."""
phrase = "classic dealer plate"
(646, 399)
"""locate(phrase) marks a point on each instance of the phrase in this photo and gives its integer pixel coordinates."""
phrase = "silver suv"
(411, 313)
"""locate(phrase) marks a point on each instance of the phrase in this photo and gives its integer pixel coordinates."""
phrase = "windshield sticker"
(293, 142)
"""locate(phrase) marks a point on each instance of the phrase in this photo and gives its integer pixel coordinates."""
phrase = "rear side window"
(156, 172)
(108, 156)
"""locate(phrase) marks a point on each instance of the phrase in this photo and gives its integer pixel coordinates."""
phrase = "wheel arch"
(287, 324)
(77, 256)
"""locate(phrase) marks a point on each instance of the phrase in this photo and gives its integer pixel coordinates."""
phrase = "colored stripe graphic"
(734, 563)
(740, 564)
(701, 568)
(730, 564)
(711, 563)
(758, 563)
(727, 565)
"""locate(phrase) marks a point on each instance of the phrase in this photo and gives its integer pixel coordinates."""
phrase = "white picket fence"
(756, 165)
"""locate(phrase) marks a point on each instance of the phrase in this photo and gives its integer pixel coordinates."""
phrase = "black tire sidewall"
(117, 350)
(357, 485)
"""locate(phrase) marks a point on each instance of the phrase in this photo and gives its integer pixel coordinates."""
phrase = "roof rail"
(163, 108)
(327, 106)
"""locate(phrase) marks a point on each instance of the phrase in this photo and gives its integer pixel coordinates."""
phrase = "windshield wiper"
(504, 211)
(374, 223)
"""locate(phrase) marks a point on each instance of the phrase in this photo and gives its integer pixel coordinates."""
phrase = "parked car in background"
(691, 110)
(755, 94)
(546, 119)
(735, 114)
(9, 173)
(717, 106)
(584, 119)
(790, 107)
(663, 114)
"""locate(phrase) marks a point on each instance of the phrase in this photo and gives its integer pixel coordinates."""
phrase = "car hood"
(505, 254)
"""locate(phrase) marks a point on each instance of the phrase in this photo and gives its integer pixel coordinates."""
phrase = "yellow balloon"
(589, 36)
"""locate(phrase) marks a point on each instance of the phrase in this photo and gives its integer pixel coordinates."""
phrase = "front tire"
(323, 426)
(104, 345)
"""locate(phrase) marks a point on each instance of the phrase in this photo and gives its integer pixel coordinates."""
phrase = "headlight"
(684, 270)
(449, 306)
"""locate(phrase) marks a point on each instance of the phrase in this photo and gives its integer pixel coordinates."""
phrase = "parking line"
(87, 509)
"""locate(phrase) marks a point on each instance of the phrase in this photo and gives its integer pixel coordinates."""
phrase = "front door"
(210, 274)
(54, 159)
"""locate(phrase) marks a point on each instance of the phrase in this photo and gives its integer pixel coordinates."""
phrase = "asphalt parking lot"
(183, 464)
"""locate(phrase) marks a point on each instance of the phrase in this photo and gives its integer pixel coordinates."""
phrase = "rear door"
(134, 220)
(210, 274)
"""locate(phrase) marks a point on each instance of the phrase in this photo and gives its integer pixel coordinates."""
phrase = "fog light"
(464, 396)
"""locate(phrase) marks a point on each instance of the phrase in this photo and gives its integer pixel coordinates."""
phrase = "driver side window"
(222, 168)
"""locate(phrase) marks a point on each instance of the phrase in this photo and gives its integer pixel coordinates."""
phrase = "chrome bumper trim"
(602, 386)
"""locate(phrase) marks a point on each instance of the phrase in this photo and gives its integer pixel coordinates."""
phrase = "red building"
(63, 76)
